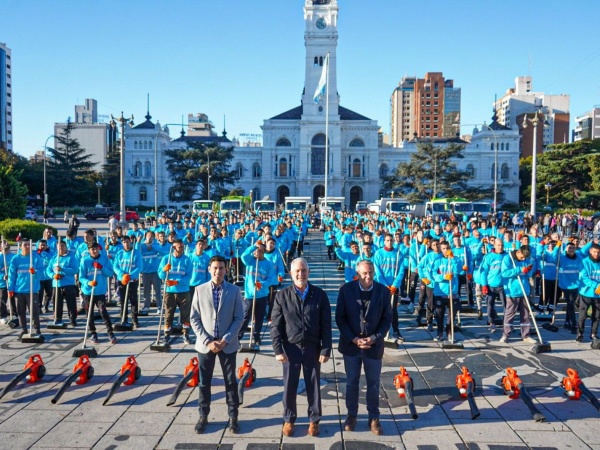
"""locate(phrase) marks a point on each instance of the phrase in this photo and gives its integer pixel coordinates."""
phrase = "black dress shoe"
(234, 426)
(201, 425)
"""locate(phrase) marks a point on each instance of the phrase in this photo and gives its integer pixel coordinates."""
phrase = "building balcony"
(140, 180)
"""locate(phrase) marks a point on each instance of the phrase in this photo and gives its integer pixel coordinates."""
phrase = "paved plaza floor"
(137, 416)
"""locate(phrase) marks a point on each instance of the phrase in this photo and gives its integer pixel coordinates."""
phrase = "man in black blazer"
(363, 315)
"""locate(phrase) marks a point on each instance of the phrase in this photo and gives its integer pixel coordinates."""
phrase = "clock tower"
(320, 38)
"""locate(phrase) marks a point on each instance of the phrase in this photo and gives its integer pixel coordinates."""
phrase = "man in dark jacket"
(301, 335)
(363, 315)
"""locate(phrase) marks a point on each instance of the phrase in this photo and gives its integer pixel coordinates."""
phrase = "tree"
(70, 171)
(189, 170)
(12, 193)
(432, 172)
(110, 176)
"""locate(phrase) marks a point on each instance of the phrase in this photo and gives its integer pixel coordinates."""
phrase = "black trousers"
(584, 304)
(549, 291)
(426, 302)
(404, 284)
(23, 305)
(571, 296)
(272, 293)
(395, 322)
(132, 297)
(68, 294)
(100, 302)
(45, 292)
(307, 361)
(206, 364)
(412, 285)
(441, 303)
(259, 317)
(4, 306)
(462, 281)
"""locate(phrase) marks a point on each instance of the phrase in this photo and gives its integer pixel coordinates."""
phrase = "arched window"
(283, 142)
(283, 167)
(255, 193)
(317, 155)
(471, 170)
(492, 146)
(316, 61)
(493, 173)
(321, 61)
(135, 145)
(507, 146)
(147, 169)
(138, 169)
(256, 170)
(239, 168)
(356, 167)
(145, 145)
(143, 194)
(357, 143)
(383, 171)
(502, 146)
(504, 171)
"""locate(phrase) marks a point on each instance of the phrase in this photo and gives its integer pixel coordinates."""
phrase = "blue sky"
(244, 59)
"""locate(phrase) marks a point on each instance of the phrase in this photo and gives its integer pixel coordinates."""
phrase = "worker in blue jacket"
(570, 265)
(128, 268)
(492, 283)
(24, 270)
(260, 274)
(589, 291)
(62, 269)
(517, 269)
(444, 272)
(95, 269)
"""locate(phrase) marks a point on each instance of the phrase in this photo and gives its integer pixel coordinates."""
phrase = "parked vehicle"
(361, 207)
(100, 213)
(130, 216)
(30, 214)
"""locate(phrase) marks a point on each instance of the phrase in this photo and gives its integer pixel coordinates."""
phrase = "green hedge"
(11, 228)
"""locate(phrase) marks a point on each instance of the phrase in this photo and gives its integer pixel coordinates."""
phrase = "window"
(493, 173)
(383, 171)
(504, 171)
(357, 143)
(356, 168)
(256, 170)
(502, 146)
(492, 148)
(316, 61)
(239, 168)
(138, 170)
(145, 145)
(143, 194)
(147, 169)
(283, 142)
(283, 167)
(135, 145)
(471, 170)
(317, 155)
(507, 146)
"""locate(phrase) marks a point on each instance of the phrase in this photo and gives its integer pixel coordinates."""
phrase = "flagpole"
(326, 128)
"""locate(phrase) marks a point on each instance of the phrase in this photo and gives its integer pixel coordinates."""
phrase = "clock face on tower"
(321, 24)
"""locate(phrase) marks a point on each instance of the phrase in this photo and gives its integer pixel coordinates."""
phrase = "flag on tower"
(322, 86)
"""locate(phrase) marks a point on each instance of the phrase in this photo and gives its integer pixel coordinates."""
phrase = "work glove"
(425, 281)
(97, 265)
(167, 267)
(538, 274)
(125, 279)
(11, 293)
(57, 276)
(258, 285)
(469, 277)
(597, 291)
(527, 269)
(485, 290)
(280, 279)
(393, 289)
(447, 276)
(172, 282)
(32, 271)
(465, 268)
(92, 283)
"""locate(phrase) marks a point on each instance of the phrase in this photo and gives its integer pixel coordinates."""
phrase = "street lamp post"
(548, 186)
(535, 121)
(208, 176)
(45, 187)
(99, 186)
(113, 123)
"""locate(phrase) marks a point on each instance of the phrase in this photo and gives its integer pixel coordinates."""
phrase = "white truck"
(333, 203)
(391, 205)
(265, 205)
(297, 203)
(203, 206)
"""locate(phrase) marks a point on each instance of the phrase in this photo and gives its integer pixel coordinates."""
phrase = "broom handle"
(537, 330)
(125, 300)
(6, 274)
(556, 286)
(30, 287)
(56, 288)
(89, 314)
(162, 309)
(451, 318)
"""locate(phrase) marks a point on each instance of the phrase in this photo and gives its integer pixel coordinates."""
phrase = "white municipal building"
(291, 161)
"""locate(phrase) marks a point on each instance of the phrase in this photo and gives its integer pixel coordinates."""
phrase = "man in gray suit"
(216, 318)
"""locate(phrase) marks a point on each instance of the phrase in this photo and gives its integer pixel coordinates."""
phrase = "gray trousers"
(514, 305)
(23, 304)
(151, 281)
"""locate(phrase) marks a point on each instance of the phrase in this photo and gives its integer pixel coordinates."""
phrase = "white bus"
(297, 203)
(203, 206)
(265, 205)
